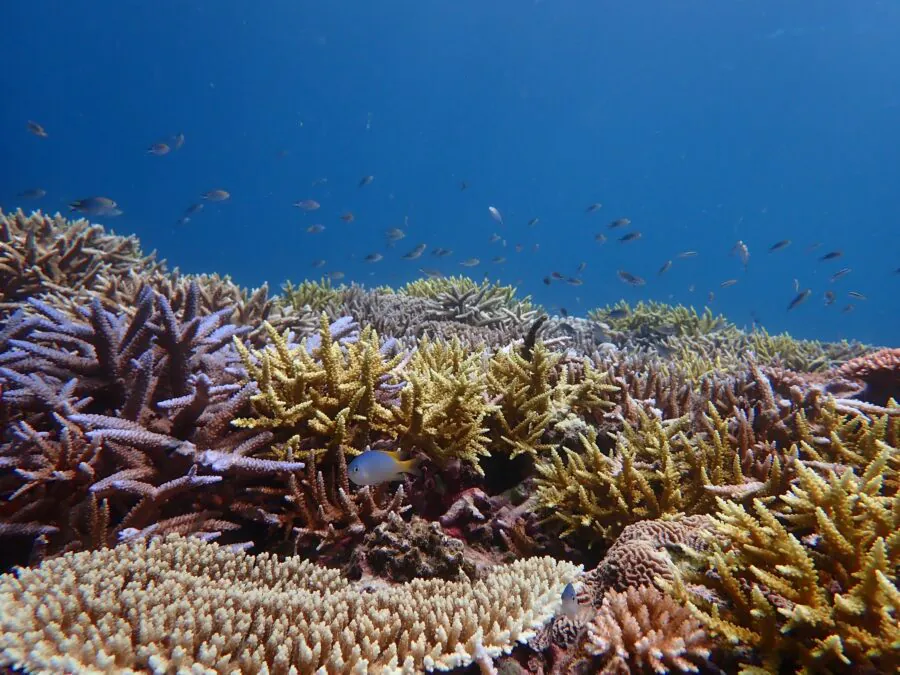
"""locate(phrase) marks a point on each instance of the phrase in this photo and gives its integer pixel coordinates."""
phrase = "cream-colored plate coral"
(178, 604)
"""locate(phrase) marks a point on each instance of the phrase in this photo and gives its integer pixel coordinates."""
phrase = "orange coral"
(643, 629)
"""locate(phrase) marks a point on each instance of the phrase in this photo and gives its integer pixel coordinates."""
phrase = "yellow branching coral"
(526, 406)
(816, 588)
(658, 469)
(329, 396)
(444, 405)
(188, 606)
(312, 295)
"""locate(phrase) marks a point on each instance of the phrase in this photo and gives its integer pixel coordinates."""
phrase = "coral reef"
(734, 494)
(182, 604)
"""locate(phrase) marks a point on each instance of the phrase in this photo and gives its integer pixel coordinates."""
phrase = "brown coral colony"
(648, 489)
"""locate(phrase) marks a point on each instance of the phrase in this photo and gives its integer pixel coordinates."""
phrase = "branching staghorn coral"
(641, 629)
(444, 403)
(810, 582)
(540, 394)
(181, 604)
(324, 394)
(41, 255)
(120, 425)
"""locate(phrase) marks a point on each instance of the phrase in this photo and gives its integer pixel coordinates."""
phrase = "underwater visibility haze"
(523, 336)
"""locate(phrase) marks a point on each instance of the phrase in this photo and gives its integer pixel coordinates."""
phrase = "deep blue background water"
(704, 122)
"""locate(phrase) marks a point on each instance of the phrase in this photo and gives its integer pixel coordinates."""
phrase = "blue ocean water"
(702, 122)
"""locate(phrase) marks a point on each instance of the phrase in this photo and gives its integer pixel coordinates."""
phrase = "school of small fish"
(676, 264)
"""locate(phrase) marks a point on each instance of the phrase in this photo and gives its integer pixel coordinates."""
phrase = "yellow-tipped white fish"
(374, 467)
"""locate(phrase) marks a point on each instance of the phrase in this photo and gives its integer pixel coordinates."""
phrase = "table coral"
(181, 604)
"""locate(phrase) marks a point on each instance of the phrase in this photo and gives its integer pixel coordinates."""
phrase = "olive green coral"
(445, 402)
(810, 581)
(326, 397)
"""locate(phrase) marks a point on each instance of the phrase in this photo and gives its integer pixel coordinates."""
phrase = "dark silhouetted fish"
(620, 222)
(832, 255)
(666, 267)
(631, 236)
(37, 129)
(630, 279)
(33, 193)
(217, 195)
(596, 206)
(778, 245)
(800, 298)
(840, 273)
(365, 180)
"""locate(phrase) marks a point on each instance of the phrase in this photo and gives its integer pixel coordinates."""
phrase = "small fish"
(395, 234)
(828, 298)
(442, 252)
(495, 214)
(37, 129)
(365, 180)
(335, 276)
(564, 312)
(796, 285)
(499, 260)
(665, 268)
(630, 279)
(847, 309)
(184, 220)
(800, 298)
(347, 217)
(179, 141)
(574, 281)
(374, 257)
(778, 245)
(33, 193)
(519, 248)
(470, 262)
(727, 283)
(159, 149)
(857, 295)
(813, 247)
(533, 222)
(193, 208)
(318, 263)
(832, 255)
(840, 273)
(600, 238)
(315, 229)
(631, 236)
(596, 206)
(95, 206)
(557, 276)
(374, 467)
(463, 185)
(494, 238)
(547, 281)
(619, 313)
(619, 222)
(740, 249)
(431, 273)
(216, 195)
(307, 204)
(416, 252)
(686, 254)
(536, 247)
(581, 267)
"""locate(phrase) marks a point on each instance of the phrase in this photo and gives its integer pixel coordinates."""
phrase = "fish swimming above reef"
(217, 195)
(619, 222)
(307, 204)
(596, 206)
(374, 467)
(416, 252)
(740, 249)
(665, 267)
(395, 234)
(32, 193)
(832, 255)
(96, 206)
(778, 245)
(159, 149)
(495, 214)
(631, 236)
(37, 129)
(630, 279)
(800, 299)
(365, 180)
